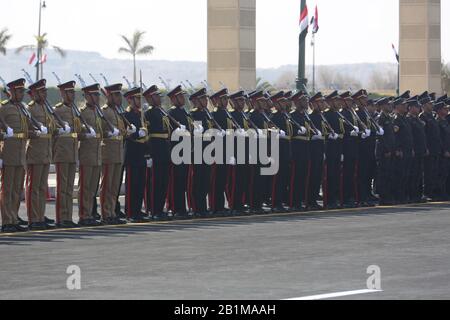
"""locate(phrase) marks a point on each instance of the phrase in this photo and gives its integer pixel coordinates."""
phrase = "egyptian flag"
(315, 22)
(42, 61)
(396, 53)
(304, 20)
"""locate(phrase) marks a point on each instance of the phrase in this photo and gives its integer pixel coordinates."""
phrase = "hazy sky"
(350, 30)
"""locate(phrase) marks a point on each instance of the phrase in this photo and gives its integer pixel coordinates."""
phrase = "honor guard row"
(335, 151)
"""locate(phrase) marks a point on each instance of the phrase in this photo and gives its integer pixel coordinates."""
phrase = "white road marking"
(336, 295)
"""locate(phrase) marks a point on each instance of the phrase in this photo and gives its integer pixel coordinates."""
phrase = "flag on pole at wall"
(31, 60)
(42, 61)
(304, 20)
(315, 21)
(396, 53)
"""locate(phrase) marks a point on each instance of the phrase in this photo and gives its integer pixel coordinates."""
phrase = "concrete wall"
(420, 45)
(232, 43)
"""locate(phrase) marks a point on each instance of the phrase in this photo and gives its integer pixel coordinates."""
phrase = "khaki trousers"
(88, 183)
(111, 182)
(65, 180)
(12, 185)
(36, 191)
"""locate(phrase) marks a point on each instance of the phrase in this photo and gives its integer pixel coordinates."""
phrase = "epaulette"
(194, 110)
(59, 105)
(128, 109)
(104, 107)
(4, 102)
(293, 111)
(173, 108)
(83, 108)
(215, 110)
(150, 108)
(231, 110)
(32, 103)
(274, 111)
(327, 110)
(253, 110)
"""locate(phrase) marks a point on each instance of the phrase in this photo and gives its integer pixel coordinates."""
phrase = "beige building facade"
(232, 43)
(420, 46)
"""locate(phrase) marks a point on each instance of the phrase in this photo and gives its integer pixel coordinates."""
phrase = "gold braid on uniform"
(24, 125)
(246, 126)
(230, 124)
(341, 126)
(166, 124)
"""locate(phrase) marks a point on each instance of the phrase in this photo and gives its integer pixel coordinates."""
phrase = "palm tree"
(4, 39)
(41, 44)
(262, 85)
(134, 47)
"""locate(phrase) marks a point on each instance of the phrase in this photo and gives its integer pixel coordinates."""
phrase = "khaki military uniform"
(90, 155)
(65, 157)
(113, 157)
(14, 161)
(39, 157)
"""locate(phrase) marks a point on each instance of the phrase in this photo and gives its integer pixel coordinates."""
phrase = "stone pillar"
(232, 43)
(420, 46)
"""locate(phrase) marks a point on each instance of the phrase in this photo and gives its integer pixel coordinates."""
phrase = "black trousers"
(178, 188)
(415, 184)
(402, 173)
(366, 170)
(431, 168)
(135, 189)
(349, 168)
(218, 186)
(156, 187)
(316, 170)
(199, 188)
(385, 178)
(443, 175)
(333, 163)
(280, 184)
(256, 187)
(298, 182)
(237, 183)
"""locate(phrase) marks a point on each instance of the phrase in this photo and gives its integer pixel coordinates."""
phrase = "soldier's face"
(428, 107)
(180, 100)
(443, 112)
(68, 96)
(117, 99)
(42, 94)
(203, 102)
(224, 101)
(18, 94)
(136, 102)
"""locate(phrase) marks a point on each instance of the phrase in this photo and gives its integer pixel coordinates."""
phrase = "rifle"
(97, 107)
(229, 116)
(5, 90)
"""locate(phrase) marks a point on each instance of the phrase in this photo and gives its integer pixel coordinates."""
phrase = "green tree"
(262, 85)
(135, 47)
(4, 39)
(41, 44)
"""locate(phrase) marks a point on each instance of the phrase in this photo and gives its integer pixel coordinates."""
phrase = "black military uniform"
(179, 172)
(317, 152)
(300, 156)
(201, 171)
(351, 155)
(159, 129)
(384, 151)
(136, 155)
(281, 179)
(403, 156)
(415, 184)
(256, 188)
(334, 156)
(239, 178)
(444, 159)
(219, 171)
(433, 135)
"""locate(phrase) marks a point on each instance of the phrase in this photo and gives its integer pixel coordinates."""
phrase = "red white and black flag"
(304, 20)
(315, 21)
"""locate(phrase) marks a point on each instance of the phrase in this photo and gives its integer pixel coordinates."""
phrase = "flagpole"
(313, 42)
(301, 81)
(398, 78)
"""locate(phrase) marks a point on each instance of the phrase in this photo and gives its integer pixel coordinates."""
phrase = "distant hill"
(84, 62)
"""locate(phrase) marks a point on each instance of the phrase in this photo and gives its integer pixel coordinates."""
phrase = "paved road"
(273, 257)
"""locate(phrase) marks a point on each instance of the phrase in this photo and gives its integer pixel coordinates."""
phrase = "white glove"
(356, 129)
(221, 133)
(282, 134)
(381, 132)
(67, 128)
(92, 133)
(61, 131)
(241, 133)
(132, 130)
(232, 161)
(182, 128)
(354, 133)
(334, 136)
(9, 132)
(149, 163)
(142, 133)
(114, 133)
(364, 136)
(302, 131)
(43, 130)
(260, 132)
(1, 163)
(368, 133)
(317, 136)
(199, 129)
